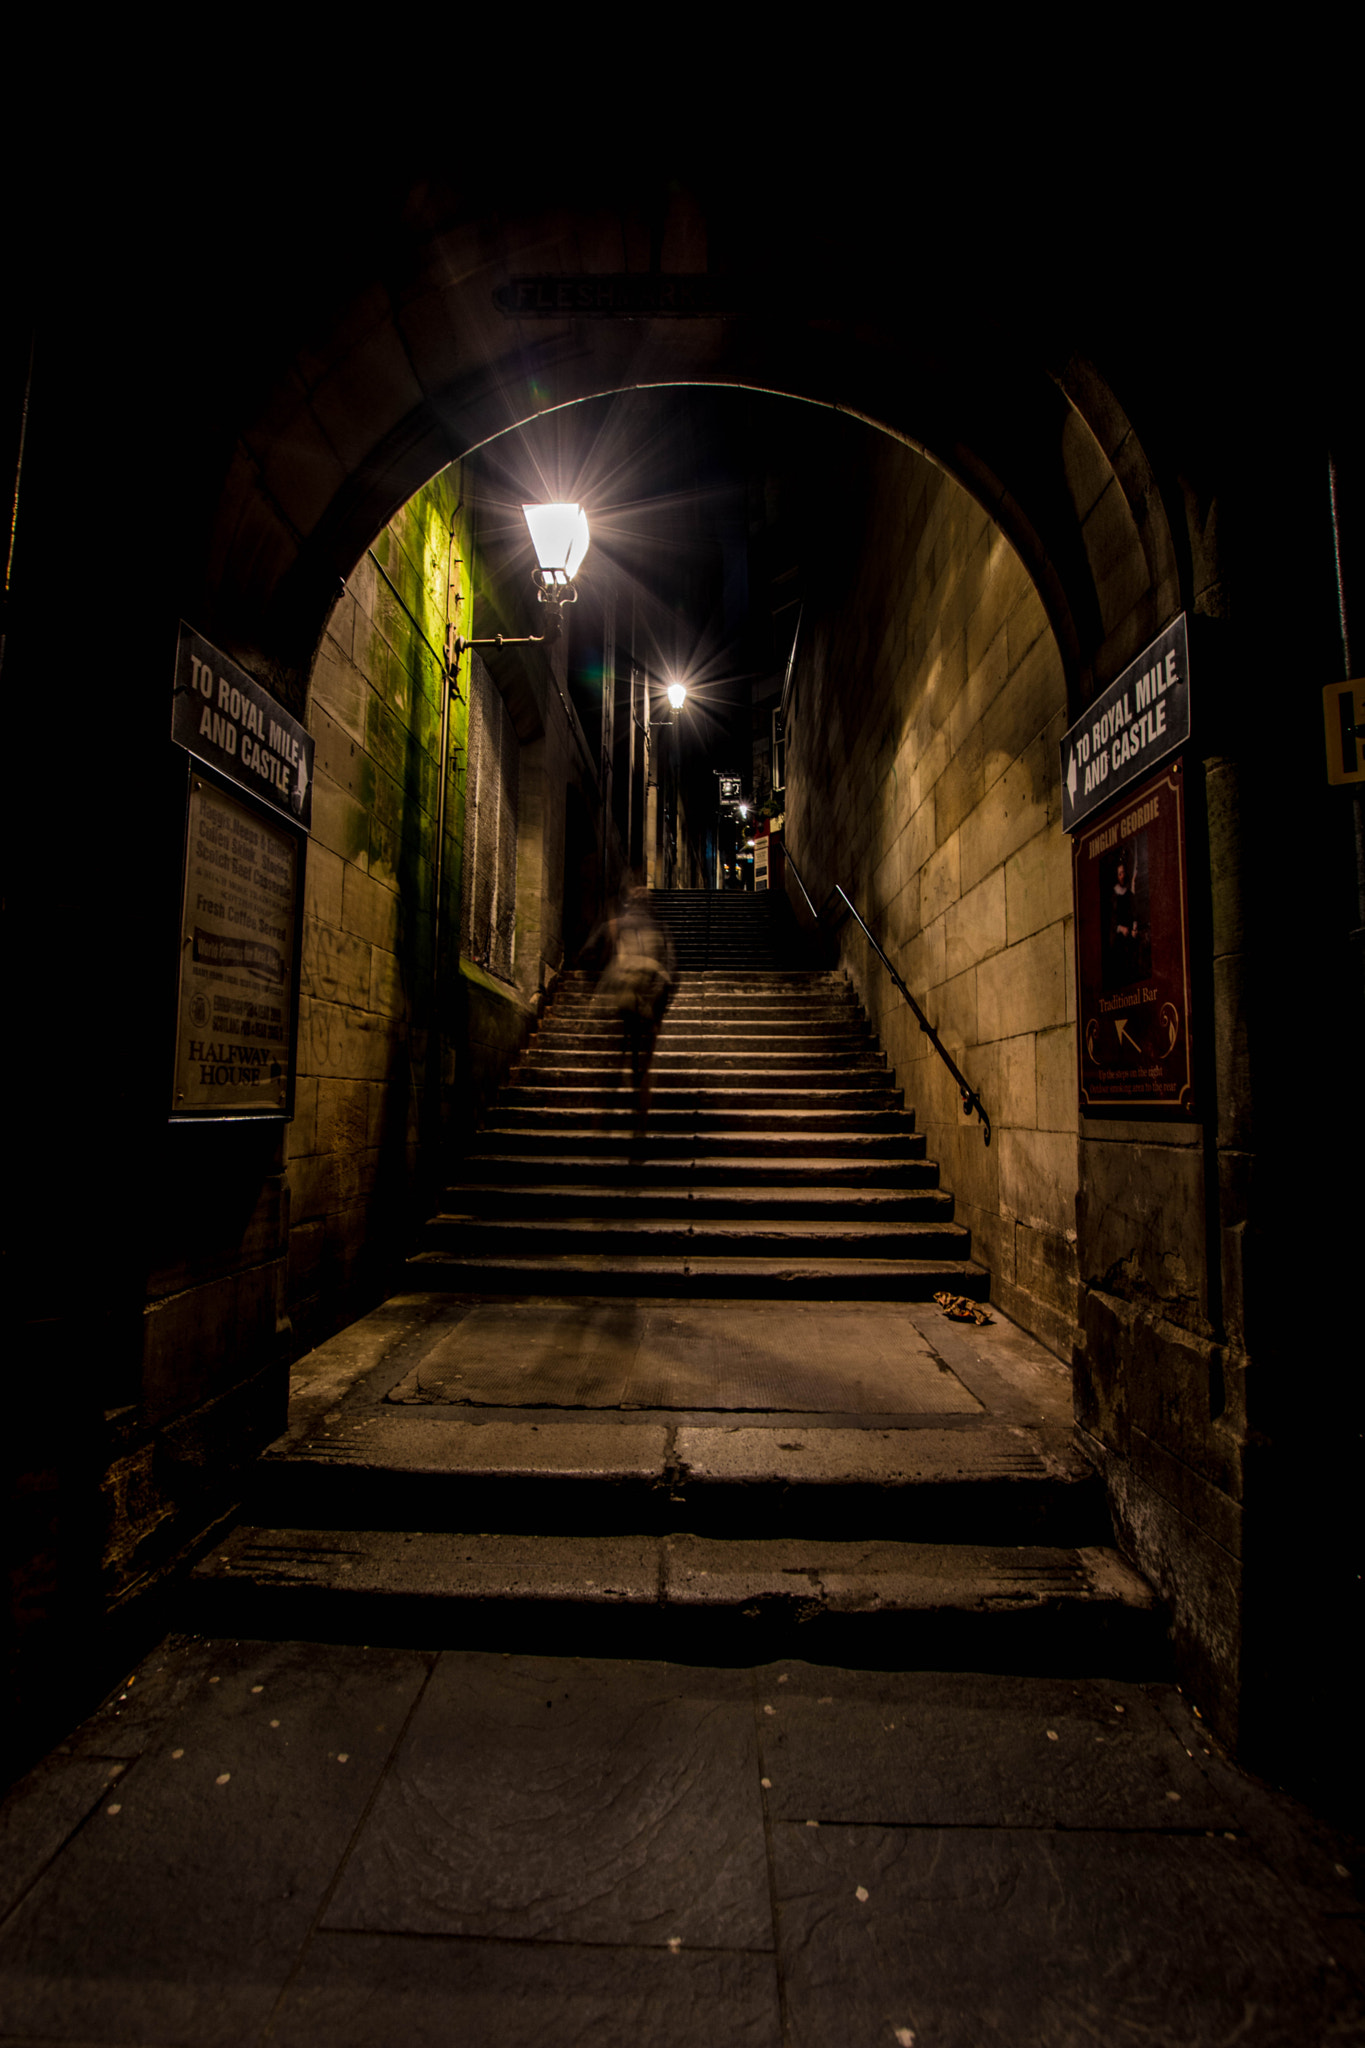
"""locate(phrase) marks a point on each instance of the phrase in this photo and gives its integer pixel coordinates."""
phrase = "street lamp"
(559, 535)
(677, 695)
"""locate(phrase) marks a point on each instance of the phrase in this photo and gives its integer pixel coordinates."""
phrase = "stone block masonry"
(366, 1011)
(951, 717)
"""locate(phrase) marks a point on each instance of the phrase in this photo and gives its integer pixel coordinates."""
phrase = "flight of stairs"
(778, 1183)
(721, 928)
(777, 1158)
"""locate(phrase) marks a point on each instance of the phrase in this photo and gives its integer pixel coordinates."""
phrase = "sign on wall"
(1133, 953)
(1142, 716)
(242, 889)
(236, 1006)
(222, 715)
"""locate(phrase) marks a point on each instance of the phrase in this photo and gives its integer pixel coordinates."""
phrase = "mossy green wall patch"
(377, 804)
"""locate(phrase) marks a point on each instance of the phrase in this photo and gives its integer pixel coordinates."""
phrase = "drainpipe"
(436, 1043)
(1357, 937)
(14, 499)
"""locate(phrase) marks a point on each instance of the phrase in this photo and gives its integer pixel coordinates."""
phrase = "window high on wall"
(488, 893)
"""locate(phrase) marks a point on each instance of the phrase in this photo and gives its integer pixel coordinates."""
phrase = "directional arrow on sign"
(1121, 1026)
(1071, 776)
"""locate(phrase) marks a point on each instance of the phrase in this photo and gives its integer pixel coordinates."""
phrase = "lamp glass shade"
(677, 695)
(559, 535)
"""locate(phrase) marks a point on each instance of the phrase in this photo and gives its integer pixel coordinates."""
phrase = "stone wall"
(400, 1051)
(368, 1091)
(923, 777)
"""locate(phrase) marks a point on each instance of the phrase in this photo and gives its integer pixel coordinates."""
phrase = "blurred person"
(636, 982)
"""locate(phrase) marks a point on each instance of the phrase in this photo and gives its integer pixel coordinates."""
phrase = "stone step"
(736, 975)
(742, 1477)
(679, 1063)
(733, 990)
(665, 1121)
(671, 1096)
(733, 985)
(719, 1013)
(492, 1198)
(864, 1604)
(754, 1236)
(696, 1275)
(658, 1170)
(614, 1141)
(685, 1042)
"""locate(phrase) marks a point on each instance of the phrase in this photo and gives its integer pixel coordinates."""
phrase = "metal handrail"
(971, 1101)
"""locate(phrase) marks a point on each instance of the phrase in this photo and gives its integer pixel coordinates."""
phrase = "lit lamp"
(677, 697)
(559, 535)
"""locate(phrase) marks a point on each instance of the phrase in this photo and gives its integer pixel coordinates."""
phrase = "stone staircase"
(721, 928)
(678, 1392)
(777, 1159)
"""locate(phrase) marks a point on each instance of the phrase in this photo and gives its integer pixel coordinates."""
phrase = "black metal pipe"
(971, 1102)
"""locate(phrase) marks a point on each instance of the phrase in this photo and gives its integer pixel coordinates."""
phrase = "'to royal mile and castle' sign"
(1142, 716)
(222, 715)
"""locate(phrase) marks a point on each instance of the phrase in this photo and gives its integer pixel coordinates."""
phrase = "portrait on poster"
(1132, 952)
(238, 952)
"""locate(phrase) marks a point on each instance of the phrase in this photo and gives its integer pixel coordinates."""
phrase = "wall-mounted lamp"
(677, 695)
(559, 535)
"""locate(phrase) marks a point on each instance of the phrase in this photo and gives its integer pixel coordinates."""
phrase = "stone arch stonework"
(1125, 481)
(427, 366)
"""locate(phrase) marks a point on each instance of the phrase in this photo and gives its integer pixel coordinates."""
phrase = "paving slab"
(177, 1911)
(40, 1815)
(368, 1991)
(1007, 1373)
(681, 1356)
(980, 1750)
(605, 1808)
(988, 1938)
(307, 1844)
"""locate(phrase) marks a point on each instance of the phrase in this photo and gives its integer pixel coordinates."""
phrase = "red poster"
(1133, 951)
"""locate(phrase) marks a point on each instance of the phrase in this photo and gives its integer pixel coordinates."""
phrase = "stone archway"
(432, 363)
(351, 345)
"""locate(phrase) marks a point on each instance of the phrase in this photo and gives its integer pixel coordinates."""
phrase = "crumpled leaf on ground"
(959, 1310)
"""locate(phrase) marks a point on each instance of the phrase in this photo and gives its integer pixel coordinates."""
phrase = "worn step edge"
(803, 1279)
(952, 1606)
(418, 1462)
